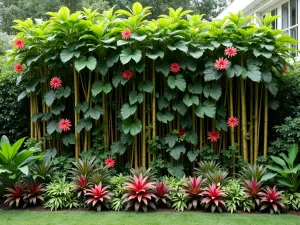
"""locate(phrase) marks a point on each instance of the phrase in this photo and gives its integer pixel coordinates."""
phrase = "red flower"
(18, 68)
(55, 82)
(182, 132)
(213, 136)
(126, 34)
(221, 64)
(127, 74)
(232, 122)
(109, 162)
(285, 69)
(19, 43)
(230, 51)
(65, 124)
(175, 67)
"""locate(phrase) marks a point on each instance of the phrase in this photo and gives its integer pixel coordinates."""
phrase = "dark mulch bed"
(41, 209)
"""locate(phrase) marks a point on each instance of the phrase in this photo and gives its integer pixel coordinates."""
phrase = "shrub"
(253, 190)
(291, 200)
(206, 166)
(60, 194)
(252, 171)
(161, 192)
(63, 165)
(80, 185)
(213, 198)
(98, 197)
(140, 193)
(43, 172)
(218, 177)
(272, 199)
(34, 193)
(84, 167)
(101, 175)
(287, 173)
(235, 197)
(117, 184)
(15, 196)
(194, 191)
(14, 163)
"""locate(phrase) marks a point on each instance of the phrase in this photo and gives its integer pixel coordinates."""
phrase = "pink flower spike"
(64, 125)
(19, 43)
(221, 64)
(127, 74)
(55, 82)
(175, 67)
(232, 122)
(126, 34)
(18, 68)
(213, 136)
(109, 162)
(231, 51)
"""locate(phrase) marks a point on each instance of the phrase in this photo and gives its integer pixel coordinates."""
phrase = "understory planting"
(164, 92)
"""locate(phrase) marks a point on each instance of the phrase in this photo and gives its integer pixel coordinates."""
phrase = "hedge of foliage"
(165, 88)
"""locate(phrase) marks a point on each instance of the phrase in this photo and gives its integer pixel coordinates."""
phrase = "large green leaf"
(58, 108)
(162, 102)
(293, 151)
(99, 86)
(195, 88)
(135, 97)
(181, 108)
(177, 81)
(127, 110)
(52, 126)
(63, 92)
(192, 155)
(154, 54)
(191, 137)
(82, 107)
(94, 113)
(190, 100)
(253, 73)
(49, 97)
(69, 139)
(83, 62)
(30, 87)
(132, 126)
(171, 139)
(176, 171)
(146, 86)
(212, 90)
(127, 54)
(180, 45)
(164, 117)
(176, 151)
(118, 148)
(207, 108)
(212, 74)
(163, 67)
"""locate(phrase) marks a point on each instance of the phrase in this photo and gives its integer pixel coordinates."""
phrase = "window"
(274, 23)
(290, 19)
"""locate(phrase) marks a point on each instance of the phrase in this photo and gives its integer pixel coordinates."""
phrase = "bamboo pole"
(256, 123)
(76, 116)
(266, 124)
(153, 104)
(144, 126)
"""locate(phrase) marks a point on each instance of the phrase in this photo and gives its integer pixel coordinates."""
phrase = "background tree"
(208, 7)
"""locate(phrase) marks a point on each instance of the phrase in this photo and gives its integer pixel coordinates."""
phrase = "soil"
(41, 209)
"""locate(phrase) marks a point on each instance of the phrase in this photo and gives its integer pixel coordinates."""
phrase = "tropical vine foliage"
(167, 87)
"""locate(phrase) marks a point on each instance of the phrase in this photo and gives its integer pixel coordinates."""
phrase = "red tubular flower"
(221, 64)
(19, 43)
(126, 34)
(232, 122)
(18, 68)
(285, 69)
(182, 132)
(175, 67)
(55, 82)
(109, 162)
(230, 51)
(65, 124)
(127, 74)
(213, 136)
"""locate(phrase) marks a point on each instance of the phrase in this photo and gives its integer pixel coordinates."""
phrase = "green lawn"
(165, 218)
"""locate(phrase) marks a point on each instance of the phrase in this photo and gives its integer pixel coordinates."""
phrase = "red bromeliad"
(98, 196)
(161, 192)
(140, 193)
(271, 198)
(214, 198)
(81, 185)
(253, 190)
(15, 196)
(34, 193)
(194, 191)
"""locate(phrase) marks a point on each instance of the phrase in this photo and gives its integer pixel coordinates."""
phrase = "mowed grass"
(16, 217)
